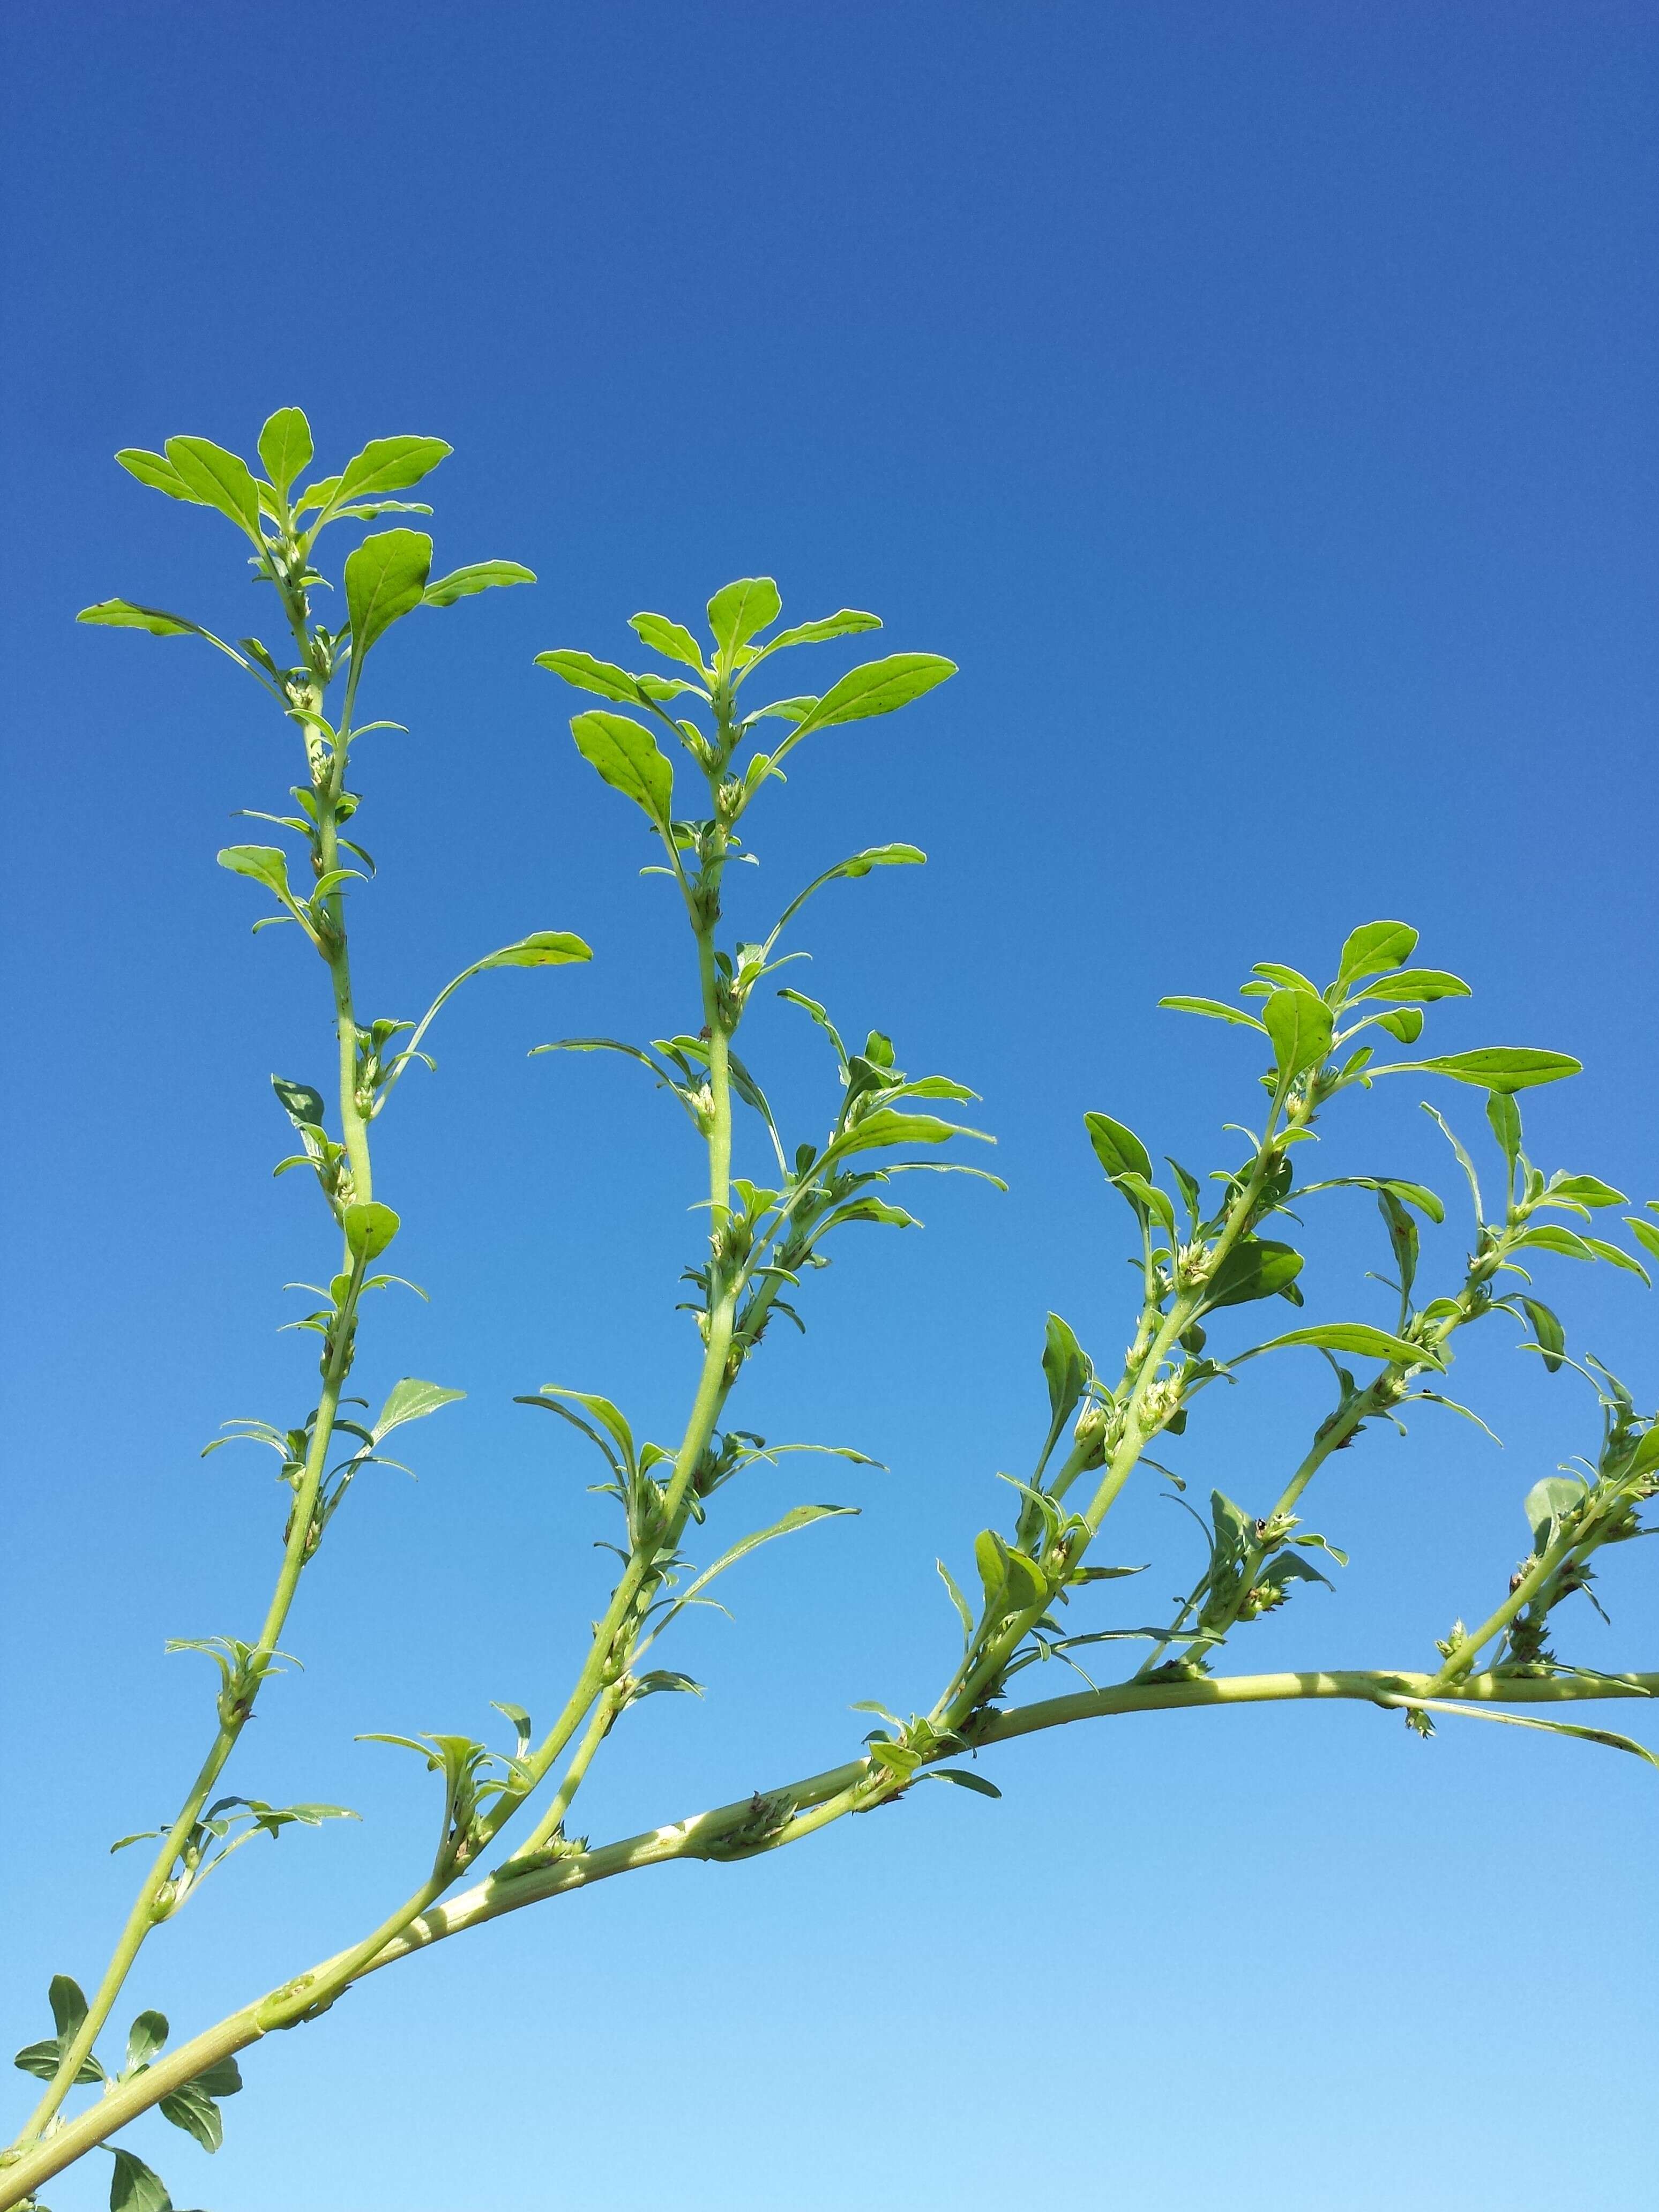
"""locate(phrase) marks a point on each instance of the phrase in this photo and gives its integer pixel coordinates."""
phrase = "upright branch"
(772, 1208)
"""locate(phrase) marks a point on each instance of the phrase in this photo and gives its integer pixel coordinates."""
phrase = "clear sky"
(1258, 404)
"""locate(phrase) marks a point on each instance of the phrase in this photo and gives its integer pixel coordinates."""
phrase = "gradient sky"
(1259, 405)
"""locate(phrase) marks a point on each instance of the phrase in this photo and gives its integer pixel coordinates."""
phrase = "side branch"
(762, 1822)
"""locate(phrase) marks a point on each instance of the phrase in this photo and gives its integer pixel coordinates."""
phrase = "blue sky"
(1257, 404)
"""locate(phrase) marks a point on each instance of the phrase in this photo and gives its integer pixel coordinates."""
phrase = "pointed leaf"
(1355, 1336)
(1583, 1190)
(69, 2006)
(1254, 1269)
(1427, 984)
(123, 614)
(544, 948)
(964, 1780)
(878, 688)
(842, 624)
(1493, 1068)
(411, 1401)
(1217, 1010)
(1547, 1328)
(149, 2032)
(388, 465)
(192, 2109)
(1118, 1149)
(1067, 1369)
(155, 471)
(477, 576)
(609, 1417)
(134, 2188)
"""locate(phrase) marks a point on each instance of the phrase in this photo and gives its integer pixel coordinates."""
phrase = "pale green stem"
(702, 1835)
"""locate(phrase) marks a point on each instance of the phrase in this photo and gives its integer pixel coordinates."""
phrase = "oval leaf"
(878, 688)
(1118, 1149)
(1373, 948)
(388, 465)
(384, 578)
(285, 448)
(479, 576)
(739, 610)
(629, 760)
(543, 948)
(1356, 1337)
(369, 1228)
(217, 478)
(1299, 1026)
(1505, 1067)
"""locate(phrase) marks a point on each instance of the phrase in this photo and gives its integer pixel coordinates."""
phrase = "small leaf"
(543, 948)
(964, 1780)
(369, 1228)
(149, 2032)
(1504, 1117)
(629, 760)
(883, 1126)
(479, 576)
(384, 578)
(1299, 1026)
(1427, 984)
(224, 2077)
(1216, 1009)
(842, 624)
(1066, 1368)
(303, 1106)
(69, 2006)
(671, 638)
(134, 2188)
(217, 478)
(1373, 948)
(609, 1417)
(1645, 1233)
(1611, 1254)
(959, 1601)
(1118, 1149)
(285, 448)
(411, 1401)
(1405, 1022)
(192, 2109)
(262, 864)
(1547, 1328)
(738, 611)
(152, 469)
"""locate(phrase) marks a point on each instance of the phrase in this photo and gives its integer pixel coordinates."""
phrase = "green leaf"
(1583, 1190)
(957, 1600)
(1548, 1236)
(303, 1106)
(1550, 1502)
(1356, 1337)
(123, 614)
(217, 478)
(149, 2032)
(842, 624)
(1299, 1026)
(1501, 1067)
(384, 578)
(1547, 1328)
(134, 2188)
(1605, 1736)
(1118, 1149)
(1147, 1198)
(41, 2060)
(411, 1401)
(261, 864)
(477, 576)
(1217, 1010)
(160, 474)
(671, 638)
(192, 2109)
(878, 688)
(739, 610)
(369, 1228)
(964, 1780)
(629, 759)
(388, 465)
(543, 948)
(609, 1417)
(1254, 1269)
(1374, 947)
(584, 673)
(224, 2077)
(1427, 984)
(1644, 1232)
(1067, 1369)
(1616, 1258)
(798, 1516)
(285, 448)
(883, 1126)
(1405, 1022)
(1504, 1117)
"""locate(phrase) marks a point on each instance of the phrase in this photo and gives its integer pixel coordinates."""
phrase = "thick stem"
(702, 1835)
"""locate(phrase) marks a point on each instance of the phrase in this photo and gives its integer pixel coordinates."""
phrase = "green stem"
(818, 1799)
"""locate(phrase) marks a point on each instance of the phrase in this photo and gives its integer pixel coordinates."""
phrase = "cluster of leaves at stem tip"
(1204, 1249)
